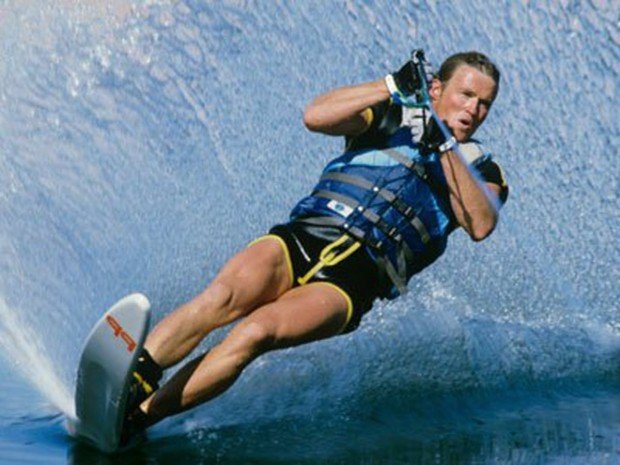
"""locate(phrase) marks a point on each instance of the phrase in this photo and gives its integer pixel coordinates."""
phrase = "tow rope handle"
(423, 97)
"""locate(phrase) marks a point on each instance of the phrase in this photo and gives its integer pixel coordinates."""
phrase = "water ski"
(107, 362)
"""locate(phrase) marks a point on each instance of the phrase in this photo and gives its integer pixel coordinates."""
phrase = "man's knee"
(249, 339)
(218, 297)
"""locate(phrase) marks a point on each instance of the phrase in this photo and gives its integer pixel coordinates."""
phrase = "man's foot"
(144, 382)
(134, 424)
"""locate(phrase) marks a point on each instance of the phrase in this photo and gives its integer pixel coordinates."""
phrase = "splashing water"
(143, 144)
(28, 355)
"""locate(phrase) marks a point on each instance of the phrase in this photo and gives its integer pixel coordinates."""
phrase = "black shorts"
(352, 271)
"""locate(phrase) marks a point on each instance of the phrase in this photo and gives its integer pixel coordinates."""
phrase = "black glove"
(433, 139)
(405, 85)
(406, 79)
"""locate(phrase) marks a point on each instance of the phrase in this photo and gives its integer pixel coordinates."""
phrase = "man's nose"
(472, 106)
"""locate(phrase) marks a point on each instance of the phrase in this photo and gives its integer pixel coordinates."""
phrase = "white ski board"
(104, 374)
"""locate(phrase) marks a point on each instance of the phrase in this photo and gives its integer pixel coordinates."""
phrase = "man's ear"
(436, 89)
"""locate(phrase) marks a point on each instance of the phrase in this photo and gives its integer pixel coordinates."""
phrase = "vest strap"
(419, 169)
(400, 206)
(374, 218)
(407, 162)
(353, 231)
(391, 272)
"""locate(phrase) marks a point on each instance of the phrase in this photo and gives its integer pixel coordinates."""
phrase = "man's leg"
(255, 276)
(301, 315)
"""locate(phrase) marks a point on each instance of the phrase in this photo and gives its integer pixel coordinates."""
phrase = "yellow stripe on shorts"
(346, 297)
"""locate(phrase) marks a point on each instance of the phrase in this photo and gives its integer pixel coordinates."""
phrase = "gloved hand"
(405, 85)
(434, 140)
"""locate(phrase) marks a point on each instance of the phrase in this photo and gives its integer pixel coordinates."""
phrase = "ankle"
(149, 369)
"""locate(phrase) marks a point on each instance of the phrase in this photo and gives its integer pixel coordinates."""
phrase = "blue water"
(141, 145)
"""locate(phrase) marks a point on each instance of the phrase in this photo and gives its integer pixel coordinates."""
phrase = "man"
(380, 213)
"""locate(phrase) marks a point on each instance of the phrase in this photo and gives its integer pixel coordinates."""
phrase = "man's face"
(464, 101)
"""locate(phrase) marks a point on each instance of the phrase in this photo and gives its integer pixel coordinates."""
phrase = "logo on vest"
(340, 208)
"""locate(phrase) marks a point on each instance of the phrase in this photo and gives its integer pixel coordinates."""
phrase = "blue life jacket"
(393, 200)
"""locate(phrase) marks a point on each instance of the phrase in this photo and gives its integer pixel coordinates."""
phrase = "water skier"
(380, 213)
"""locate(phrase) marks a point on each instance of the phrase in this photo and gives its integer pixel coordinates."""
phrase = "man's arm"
(345, 111)
(475, 204)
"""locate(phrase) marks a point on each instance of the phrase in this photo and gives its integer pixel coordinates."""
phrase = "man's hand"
(405, 85)
(433, 139)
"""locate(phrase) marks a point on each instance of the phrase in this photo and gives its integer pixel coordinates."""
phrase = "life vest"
(394, 200)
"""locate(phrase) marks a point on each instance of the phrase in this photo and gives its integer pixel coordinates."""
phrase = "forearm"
(473, 202)
(341, 111)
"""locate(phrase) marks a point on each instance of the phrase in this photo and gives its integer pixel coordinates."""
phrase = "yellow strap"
(148, 389)
(329, 258)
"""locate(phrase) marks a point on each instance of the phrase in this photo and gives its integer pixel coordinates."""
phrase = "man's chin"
(462, 136)
(461, 133)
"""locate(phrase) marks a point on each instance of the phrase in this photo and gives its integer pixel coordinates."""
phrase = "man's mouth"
(465, 122)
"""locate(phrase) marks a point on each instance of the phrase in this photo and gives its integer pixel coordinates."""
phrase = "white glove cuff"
(391, 85)
(447, 145)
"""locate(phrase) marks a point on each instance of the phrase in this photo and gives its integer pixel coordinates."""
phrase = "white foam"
(24, 350)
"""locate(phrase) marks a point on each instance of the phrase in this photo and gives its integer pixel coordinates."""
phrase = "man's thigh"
(303, 314)
(256, 275)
